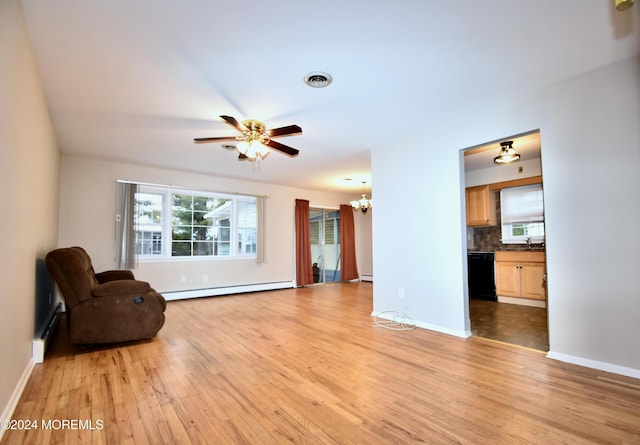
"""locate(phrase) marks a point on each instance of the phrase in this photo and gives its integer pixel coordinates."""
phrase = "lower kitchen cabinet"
(521, 275)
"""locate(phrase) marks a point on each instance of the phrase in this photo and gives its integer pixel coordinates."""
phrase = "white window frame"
(167, 239)
(149, 228)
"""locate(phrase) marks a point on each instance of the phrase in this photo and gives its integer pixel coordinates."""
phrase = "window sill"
(179, 259)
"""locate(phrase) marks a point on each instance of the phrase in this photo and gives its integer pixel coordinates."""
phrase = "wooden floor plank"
(308, 366)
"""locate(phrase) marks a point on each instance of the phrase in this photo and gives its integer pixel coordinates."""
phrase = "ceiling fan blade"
(205, 140)
(283, 148)
(284, 131)
(234, 123)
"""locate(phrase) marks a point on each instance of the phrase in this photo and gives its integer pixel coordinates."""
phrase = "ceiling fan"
(255, 141)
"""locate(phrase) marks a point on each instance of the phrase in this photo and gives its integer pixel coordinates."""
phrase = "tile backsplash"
(486, 239)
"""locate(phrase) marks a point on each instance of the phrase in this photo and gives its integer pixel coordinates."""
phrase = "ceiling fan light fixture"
(252, 149)
(622, 5)
(318, 79)
(507, 153)
(255, 142)
(242, 147)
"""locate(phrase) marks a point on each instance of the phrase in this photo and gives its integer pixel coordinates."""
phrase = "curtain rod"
(150, 184)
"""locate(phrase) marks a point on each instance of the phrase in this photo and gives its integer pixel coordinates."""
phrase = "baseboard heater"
(226, 290)
(39, 345)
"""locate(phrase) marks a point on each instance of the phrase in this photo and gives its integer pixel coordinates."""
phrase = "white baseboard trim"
(428, 326)
(443, 330)
(228, 290)
(594, 364)
(522, 301)
(8, 410)
(366, 278)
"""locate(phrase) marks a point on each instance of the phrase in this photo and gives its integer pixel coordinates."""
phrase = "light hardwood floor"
(307, 366)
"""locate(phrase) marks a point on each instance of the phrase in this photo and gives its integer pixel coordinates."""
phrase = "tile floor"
(510, 323)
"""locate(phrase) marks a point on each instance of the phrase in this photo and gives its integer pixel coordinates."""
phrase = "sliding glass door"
(325, 244)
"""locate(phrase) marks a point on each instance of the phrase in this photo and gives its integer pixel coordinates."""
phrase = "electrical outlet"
(401, 293)
(183, 279)
(205, 278)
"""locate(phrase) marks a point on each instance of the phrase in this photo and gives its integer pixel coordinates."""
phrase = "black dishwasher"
(482, 283)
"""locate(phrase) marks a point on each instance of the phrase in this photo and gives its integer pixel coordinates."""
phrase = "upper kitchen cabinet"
(481, 206)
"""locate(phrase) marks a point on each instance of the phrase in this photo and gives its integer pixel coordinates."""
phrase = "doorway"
(325, 244)
(513, 316)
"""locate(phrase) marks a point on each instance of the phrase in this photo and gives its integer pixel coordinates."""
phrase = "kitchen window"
(522, 211)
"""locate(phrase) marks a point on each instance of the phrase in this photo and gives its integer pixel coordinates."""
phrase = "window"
(182, 223)
(247, 237)
(522, 210)
(324, 234)
(148, 222)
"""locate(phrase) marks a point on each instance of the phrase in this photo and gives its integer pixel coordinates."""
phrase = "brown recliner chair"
(105, 307)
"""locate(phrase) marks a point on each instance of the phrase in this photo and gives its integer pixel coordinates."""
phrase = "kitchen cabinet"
(521, 275)
(481, 206)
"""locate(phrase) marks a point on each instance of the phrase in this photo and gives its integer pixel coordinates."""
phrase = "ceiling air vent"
(318, 79)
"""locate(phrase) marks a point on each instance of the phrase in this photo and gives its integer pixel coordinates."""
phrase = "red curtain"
(348, 266)
(304, 268)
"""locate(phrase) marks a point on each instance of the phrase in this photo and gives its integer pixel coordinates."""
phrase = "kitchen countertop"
(534, 249)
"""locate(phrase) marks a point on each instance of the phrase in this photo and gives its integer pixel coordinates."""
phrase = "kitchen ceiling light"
(318, 79)
(507, 153)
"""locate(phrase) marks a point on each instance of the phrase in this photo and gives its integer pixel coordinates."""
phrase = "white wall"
(501, 173)
(87, 218)
(29, 182)
(592, 205)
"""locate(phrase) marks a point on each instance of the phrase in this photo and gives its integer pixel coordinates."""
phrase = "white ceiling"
(136, 81)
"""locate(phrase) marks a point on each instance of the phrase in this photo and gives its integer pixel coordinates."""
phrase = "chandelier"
(363, 203)
(507, 153)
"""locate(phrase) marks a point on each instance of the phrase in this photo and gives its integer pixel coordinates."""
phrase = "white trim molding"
(428, 326)
(8, 410)
(227, 290)
(595, 364)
